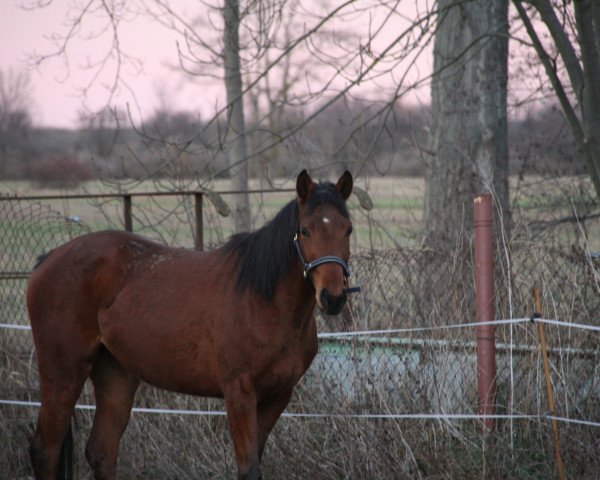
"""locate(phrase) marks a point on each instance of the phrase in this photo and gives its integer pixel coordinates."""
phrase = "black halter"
(308, 266)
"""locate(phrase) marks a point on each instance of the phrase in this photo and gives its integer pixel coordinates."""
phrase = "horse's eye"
(349, 231)
(304, 232)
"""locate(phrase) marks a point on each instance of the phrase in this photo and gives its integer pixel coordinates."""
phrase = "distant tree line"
(105, 146)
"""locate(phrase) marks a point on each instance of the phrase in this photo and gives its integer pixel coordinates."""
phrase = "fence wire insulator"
(533, 316)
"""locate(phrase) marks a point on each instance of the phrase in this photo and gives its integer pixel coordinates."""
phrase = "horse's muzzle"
(330, 304)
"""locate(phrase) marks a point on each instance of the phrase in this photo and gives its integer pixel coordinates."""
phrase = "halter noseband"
(308, 266)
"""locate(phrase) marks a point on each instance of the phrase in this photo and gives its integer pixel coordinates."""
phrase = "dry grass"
(180, 446)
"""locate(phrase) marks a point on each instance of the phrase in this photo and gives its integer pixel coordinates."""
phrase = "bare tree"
(574, 29)
(15, 116)
(468, 144)
(235, 138)
(296, 59)
(102, 129)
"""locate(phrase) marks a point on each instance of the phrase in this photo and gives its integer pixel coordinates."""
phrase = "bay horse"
(235, 323)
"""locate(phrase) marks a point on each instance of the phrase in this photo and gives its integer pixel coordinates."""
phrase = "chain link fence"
(431, 371)
(436, 367)
(27, 229)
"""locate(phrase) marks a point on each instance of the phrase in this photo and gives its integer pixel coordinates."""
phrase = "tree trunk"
(587, 16)
(235, 137)
(468, 140)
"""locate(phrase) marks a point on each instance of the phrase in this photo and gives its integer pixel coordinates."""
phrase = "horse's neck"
(297, 296)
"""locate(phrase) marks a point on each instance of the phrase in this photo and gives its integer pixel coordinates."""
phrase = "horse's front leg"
(240, 403)
(269, 410)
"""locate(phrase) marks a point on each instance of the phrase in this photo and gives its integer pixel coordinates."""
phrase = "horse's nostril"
(332, 305)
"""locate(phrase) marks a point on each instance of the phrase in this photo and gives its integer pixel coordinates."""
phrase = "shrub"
(61, 170)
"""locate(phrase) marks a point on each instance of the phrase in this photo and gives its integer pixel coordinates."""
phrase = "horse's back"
(83, 275)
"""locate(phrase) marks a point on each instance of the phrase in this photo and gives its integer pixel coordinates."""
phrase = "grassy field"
(394, 221)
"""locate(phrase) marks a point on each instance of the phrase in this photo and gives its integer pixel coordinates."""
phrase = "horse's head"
(323, 238)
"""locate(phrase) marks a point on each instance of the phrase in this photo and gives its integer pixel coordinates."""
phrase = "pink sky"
(56, 101)
(56, 86)
(55, 95)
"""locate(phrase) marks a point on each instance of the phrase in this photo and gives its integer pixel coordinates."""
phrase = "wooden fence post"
(543, 347)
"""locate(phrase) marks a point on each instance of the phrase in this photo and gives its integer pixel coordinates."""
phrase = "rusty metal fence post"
(484, 306)
(199, 240)
(128, 221)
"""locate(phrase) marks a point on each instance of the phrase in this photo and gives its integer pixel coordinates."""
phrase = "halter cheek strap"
(308, 266)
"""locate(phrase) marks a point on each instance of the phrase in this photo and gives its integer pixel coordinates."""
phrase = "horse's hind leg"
(114, 389)
(59, 390)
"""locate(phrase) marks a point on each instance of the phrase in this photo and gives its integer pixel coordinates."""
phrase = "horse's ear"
(344, 185)
(304, 186)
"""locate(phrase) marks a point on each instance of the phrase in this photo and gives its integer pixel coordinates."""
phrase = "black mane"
(267, 254)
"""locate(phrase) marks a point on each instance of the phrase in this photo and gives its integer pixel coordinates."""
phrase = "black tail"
(65, 463)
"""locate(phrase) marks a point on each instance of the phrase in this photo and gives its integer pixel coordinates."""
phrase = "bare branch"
(550, 68)
(562, 42)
